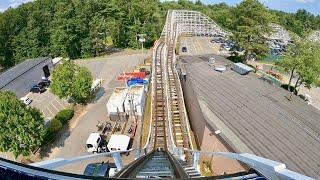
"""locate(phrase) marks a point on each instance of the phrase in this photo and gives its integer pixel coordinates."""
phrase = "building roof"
(256, 117)
(117, 98)
(18, 70)
(118, 141)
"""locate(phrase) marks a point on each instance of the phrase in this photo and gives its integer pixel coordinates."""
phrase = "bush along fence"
(57, 123)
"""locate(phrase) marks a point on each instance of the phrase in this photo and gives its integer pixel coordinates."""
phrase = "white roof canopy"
(92, 139)
(118, 142)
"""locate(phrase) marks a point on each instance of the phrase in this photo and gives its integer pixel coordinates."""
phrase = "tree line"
(80, 28)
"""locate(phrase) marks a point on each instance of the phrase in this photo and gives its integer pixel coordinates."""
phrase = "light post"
(142, 39)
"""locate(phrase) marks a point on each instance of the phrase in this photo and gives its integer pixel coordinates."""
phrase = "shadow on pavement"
(61, 136)
(99, 94)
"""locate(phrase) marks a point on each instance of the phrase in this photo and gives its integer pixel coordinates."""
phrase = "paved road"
(74, 142)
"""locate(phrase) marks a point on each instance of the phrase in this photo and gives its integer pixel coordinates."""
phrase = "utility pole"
(142, 39)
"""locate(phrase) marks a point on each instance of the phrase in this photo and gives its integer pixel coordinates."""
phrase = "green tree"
(250, 26)
(21, 126)
(309, 71)
(290, 61)
(303, 58)
(79, 28)
(81, 86)
(71, 80)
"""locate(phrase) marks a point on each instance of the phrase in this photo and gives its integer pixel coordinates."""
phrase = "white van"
(93, 142)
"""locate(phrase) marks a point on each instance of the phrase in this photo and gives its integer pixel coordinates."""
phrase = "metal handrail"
(268, 168)
(58, 162)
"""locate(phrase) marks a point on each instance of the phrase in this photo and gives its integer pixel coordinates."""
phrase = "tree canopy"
(302, 58)
(79, 28)
(250, 26)
(21, 126)
(71, 80)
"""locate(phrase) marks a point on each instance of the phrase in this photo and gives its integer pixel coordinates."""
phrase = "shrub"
(236, 59)
(48, 137)
(54, 127)
(57, 123)
(65, 115)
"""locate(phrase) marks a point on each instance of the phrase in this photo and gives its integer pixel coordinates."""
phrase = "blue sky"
(312, 6)
(5, 4)
(284, 5)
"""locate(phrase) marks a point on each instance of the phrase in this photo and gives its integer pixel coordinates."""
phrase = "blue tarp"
(134, 81)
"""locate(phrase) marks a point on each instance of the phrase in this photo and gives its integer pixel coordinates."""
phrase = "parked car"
(184, 49)
(44, 83)
(37, 89)
(100, 169)
(93, 142)
(26, 100)
(96, 143)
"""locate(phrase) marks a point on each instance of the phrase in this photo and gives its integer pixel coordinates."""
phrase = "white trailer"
(136, 100)
(115, 104)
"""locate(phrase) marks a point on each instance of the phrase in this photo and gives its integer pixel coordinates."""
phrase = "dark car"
(44, 83)
(100, 169)
(38, 89)
(184, 49)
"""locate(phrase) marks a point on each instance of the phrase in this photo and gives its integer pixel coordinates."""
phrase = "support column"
(196, 158)
(117, 160)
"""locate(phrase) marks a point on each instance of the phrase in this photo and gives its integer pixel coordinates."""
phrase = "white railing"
(266, 167)
(193, 23)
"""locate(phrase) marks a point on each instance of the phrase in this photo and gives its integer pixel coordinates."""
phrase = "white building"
(115, 104)
(136, 99)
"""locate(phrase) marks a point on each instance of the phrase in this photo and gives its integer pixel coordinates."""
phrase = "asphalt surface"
(72, 144)
(198, 46)
(48, 103)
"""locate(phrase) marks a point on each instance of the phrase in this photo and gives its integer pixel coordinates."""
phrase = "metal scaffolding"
(191, 23)
(315, 36)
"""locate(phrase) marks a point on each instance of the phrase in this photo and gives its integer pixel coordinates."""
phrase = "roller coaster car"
(101, 169)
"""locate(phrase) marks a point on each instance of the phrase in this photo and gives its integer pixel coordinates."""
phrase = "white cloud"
(304, 1)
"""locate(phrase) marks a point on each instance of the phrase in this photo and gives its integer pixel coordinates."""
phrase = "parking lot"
(198, 46)
(48, 103)
(72, 142)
